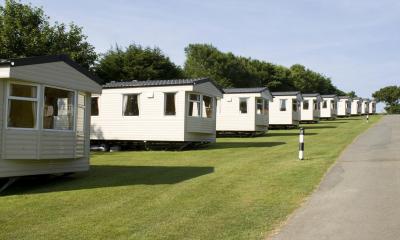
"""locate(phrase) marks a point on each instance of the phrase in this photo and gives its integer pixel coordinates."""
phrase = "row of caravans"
(51, 108)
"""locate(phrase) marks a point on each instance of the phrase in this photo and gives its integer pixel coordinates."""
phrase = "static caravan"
(285, 109)
(372, 107)
(365, 106)
(243, 111)
(181, 111)
(44, 116)
(356, 106)
(329, 106)
(344, 106)
(310, 107)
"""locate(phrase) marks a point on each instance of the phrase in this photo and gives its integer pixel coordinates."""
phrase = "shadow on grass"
(225, 145)
(288, 134)
(103, 176)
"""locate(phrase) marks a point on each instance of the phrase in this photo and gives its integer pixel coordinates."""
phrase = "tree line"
(25, 31)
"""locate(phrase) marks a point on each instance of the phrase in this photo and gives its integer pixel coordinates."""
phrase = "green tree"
(229, 70)
(25, 31)
(351, 94)
(226, 69)
(136, 62)
(389, 95)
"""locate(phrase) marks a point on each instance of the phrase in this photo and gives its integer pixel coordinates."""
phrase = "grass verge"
(238, 188)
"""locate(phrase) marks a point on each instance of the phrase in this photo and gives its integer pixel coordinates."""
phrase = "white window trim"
(138, 100)
(37, 100)
(200, 103)
(165, 104)
(75, 110)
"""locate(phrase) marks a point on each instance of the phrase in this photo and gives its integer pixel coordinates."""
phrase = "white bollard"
(301, 144)
(367, 118)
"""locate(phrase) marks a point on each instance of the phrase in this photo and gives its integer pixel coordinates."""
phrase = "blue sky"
(356, 42)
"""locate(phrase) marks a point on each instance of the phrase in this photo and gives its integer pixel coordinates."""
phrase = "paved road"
(360, 197)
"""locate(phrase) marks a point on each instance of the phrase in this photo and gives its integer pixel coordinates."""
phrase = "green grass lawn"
(238, 188)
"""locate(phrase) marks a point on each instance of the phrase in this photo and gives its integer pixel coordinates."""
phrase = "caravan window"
(95, 106)
(325, 104)
(282, 104)
(207, 107)
(294, 105)
(259, 106)
(22, 106)
(306, 104)
(333, 104)
(194, 105)
(169, 108)
(243, 105)
(266, 107)
(131, 105)
(315, 104)
(58, 109)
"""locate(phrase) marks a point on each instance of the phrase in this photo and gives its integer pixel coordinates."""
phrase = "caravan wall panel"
(151, 124)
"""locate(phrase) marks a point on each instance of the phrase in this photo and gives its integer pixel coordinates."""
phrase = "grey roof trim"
(159, 83)
(293, 93)
(344, 97)
(15, 62)
(310, 94)
(329, 96)
(244, 90)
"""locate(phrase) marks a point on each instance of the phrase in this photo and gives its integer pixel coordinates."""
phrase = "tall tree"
(351, 94)
(25, 31)
(229, 70)
(136, 62)
(389, 95)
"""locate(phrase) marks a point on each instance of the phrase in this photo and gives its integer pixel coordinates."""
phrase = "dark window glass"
(324, 104)
(170, 104)
(282, 104)
(294, 105)
(21, 114)
(95, 106)
(207, 107)
(131, 105)
(19, 90)
(243, 105)
(306, 104)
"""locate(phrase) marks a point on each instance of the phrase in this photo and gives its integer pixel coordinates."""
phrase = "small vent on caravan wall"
(229, 99)
(150, 94)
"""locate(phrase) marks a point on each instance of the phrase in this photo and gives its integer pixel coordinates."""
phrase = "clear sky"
(355, 42)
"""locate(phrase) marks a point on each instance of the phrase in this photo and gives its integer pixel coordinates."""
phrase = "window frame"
(200, 104)
(91, 107)
(262, 105)
(283, 100)
(122, 105)
(247, 105)
(165, 104)
(37, 100)
(295, 105)
(75, 109)
(203, 103)
(308, 104)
